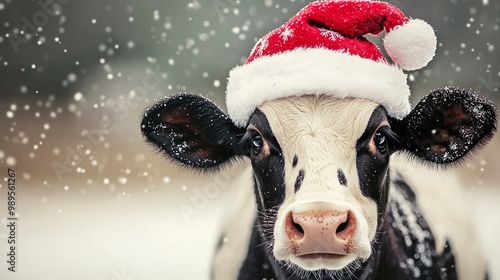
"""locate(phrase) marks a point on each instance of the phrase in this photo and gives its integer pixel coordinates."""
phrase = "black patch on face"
(300, 179)
(342, 178)
(269, 168)
(295, 161)
(260, 263)
(373, 167)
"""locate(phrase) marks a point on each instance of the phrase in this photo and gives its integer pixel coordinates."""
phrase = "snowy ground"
(104, 235)
(138, 235)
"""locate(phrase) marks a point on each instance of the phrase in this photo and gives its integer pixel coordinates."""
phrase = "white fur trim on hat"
(411, 45)
(315, 71)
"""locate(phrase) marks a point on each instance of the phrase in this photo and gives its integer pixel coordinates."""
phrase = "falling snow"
(10, 161)
(74, 91)
(78, 96)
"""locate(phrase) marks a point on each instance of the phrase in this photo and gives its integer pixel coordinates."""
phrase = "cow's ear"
(446, 126)
(192, 130)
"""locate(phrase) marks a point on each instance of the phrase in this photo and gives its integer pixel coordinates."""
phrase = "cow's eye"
(257, 143)
(380, 141)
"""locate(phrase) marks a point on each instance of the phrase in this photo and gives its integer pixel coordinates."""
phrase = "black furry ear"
(192, 130)
(447, 125)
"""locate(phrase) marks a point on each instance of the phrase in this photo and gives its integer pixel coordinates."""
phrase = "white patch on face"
(322, 132)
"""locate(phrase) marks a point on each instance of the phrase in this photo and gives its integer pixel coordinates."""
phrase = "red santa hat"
(322, 50)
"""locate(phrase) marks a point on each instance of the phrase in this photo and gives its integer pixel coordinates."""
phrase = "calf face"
(324, 215)
(320, 163)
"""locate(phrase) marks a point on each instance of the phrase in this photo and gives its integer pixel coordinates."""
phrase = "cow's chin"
(322, 261)
(325, 261)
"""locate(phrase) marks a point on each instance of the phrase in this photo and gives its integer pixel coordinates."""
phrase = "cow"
(324, 193)
(332, 198)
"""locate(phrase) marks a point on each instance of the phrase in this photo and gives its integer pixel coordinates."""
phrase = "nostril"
(298, 227)
(342, 227)
(293, 229)
(346, 229)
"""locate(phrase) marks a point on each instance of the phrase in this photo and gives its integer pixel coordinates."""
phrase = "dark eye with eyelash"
(380, 140)
(256, 142)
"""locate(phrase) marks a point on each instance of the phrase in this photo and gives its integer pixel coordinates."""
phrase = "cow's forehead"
(327, 118)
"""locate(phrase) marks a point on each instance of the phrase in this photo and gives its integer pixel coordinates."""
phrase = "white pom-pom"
(411, 45)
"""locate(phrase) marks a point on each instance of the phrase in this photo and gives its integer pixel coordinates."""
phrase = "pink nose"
(326, 232)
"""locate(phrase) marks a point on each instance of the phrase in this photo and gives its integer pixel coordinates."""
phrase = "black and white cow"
(329, 202)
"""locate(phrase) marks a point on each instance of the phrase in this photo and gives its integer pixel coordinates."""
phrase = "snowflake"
(286, 33)
(263, 46)
(330, 34)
